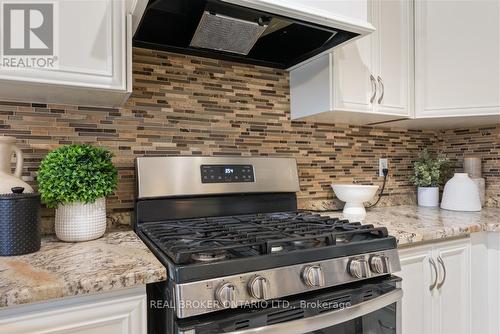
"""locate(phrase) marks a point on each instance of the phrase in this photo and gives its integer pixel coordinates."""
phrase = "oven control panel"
(227, 173)
(249, 287)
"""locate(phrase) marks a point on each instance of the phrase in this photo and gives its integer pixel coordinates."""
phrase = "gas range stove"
(230, 235)
(204, 248)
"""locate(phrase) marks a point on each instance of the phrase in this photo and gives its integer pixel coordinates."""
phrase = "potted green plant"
(428, 174)
(76, 179)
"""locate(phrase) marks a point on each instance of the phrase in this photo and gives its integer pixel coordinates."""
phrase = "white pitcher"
(7, 179)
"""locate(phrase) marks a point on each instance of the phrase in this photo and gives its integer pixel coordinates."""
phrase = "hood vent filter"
(224, 33)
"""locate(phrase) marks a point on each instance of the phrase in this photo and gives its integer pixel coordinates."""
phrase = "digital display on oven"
(227, 173)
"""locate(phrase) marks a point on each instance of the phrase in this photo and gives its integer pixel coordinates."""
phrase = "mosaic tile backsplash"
(183, 105)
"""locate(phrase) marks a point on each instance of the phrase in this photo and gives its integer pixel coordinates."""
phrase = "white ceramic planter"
(354, 195)
(81, 221)
(461, 194)
(428, 196)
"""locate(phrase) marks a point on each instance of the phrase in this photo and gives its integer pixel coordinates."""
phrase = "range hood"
(278, 33)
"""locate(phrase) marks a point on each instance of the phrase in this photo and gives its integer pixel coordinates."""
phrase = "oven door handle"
(328, 319)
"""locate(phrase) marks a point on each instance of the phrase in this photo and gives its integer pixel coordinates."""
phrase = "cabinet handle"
(433, 263)
(381, 83)
(441, 262)
(374, 88)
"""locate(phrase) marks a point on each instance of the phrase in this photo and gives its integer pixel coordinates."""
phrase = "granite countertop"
(413, 224)
(121, 260)
(61, 269)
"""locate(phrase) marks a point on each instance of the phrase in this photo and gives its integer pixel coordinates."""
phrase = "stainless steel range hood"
(273, 33)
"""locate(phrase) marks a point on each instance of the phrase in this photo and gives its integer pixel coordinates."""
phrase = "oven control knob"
(358, 268)
(313, 276)
(226, 295)
(379, 264)
(258, 287)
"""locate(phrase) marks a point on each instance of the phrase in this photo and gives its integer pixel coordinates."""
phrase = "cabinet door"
(91, 50)
(453, 298)
(457, 47)
(394, 61)
(417, 299)
(121, 312)
(352, 69)
(353, 85)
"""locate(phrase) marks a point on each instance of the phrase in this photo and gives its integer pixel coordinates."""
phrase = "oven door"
(376, 316)
(369, 308)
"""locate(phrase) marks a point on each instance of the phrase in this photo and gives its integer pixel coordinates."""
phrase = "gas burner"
(207, 257)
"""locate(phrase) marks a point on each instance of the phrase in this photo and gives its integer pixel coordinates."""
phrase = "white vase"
(461, 194)
(428, 196)
(81, 221)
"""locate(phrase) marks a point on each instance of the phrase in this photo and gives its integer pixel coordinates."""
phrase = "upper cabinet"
(457, 52)
(430, 64)
(394, 56)
(90, 50)
(366, 81)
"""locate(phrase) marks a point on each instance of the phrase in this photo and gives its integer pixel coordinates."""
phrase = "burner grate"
(220, 238)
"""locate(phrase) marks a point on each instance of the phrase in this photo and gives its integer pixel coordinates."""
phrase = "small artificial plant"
(430, 172)
(76, 173)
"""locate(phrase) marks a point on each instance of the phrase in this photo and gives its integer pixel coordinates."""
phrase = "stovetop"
(201, 248)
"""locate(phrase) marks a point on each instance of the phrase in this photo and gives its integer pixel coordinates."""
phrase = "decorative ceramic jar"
(428, 196)
(81, 221)
(7, 179)
(481, 186)
(472, 166)
(461, 194)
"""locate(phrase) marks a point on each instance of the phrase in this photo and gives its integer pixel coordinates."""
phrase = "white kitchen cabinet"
(457, 52)
(436, 287)
(453, 296)
(120, 312)
(485, 265)
(366, 81)
(417, 299)
(93, 58)
(353, 81)
(394, 58)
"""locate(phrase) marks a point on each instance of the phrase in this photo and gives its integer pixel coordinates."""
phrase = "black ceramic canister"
(19, 222)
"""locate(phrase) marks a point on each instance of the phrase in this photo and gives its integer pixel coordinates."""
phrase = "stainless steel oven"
(242, 259)
(369, 308)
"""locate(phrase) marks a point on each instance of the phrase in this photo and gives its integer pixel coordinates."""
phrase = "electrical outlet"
(382, 164)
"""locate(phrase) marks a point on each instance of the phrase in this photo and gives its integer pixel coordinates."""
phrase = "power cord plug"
(385, 171)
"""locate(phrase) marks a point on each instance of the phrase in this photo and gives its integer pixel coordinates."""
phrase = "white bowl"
(354, 195)
(461, 194)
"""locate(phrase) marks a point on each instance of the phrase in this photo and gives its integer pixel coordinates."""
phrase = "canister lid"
(17, 193)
